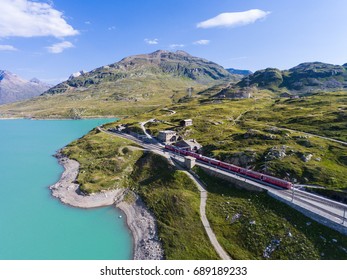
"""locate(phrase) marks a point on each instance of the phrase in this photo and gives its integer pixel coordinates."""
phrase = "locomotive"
(234, 168)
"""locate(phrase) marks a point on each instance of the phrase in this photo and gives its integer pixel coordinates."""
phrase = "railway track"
(332, 210)
(318, 204)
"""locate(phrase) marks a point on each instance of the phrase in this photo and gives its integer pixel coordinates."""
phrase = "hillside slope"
(133, 85)
(304, 78)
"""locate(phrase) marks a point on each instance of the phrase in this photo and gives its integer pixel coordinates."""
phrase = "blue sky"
(52, 39)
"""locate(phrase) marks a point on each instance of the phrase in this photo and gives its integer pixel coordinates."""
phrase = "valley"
(289, 124)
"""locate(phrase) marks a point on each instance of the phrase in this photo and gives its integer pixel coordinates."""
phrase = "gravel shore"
(141, 222)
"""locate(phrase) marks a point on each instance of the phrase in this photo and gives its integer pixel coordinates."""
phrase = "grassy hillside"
(303, 79)
(105, 161)
(175, 201)
(250, 132)
(322, 113)
(246, 223)
(123, 98)
(108, 162)
(133, 85)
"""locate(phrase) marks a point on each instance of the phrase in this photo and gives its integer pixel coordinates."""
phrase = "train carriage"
(252, 174)
(224, 165)
(204, 159)
(277, 182)
(246, 172)
(234, 168)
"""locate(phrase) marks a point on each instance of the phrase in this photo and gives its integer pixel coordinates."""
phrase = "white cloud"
(87, 22)
(234, 19)
(176, 46)
(7, 48)
(111, 28)
(60, 47)
(152, 41)
(25, 18)
(202, 42)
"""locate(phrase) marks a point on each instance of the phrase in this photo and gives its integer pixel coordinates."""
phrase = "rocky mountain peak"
(304, 78)
(158, 53)
(35, 81)
(4, 74)
(14, 88)
(155, 65)
(76, 74)
(180, 52)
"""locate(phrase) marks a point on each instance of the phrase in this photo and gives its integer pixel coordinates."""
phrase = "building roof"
(188, 143)
(167, 131)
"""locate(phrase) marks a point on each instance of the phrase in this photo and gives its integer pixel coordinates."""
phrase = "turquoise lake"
(33, 224)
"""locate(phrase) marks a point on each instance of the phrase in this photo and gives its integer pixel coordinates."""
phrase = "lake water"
(33, 224)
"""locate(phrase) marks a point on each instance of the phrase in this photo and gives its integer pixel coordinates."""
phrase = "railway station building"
(167, 136)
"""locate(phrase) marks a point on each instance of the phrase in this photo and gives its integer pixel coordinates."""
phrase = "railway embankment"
(313, 215)
(332, 220)
(236, 180)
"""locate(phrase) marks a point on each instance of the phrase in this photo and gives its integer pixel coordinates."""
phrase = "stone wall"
(241, 182)
(247, 184)
(320, 219)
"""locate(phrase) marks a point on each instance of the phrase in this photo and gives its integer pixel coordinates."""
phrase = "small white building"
(167, 136)
(189, 145)
(187, 122)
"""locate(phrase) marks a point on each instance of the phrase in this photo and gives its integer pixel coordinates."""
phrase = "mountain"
(175, 64)
(77, 74)
(304, 78)
(14, 88)
(239, 72)
(135, 84)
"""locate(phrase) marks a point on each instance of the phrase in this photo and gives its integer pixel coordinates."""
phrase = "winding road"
(142, 124)
(310, 134)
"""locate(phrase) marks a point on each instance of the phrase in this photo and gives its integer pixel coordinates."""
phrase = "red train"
(245, 172)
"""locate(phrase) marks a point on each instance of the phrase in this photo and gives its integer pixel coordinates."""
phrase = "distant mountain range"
(141, 83)
(304, 78)
(171, 64)
(14, 88)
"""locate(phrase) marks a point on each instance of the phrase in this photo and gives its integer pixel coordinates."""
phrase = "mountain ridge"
(135, 84)
(178, 64)
(303, 78)
(14, 88)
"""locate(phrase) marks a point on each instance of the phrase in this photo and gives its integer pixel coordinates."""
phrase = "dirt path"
(213, 239)
(203, 198)
(315, 135)
(142, 124)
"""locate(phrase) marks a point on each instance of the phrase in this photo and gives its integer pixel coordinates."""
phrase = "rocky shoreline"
(140, 221)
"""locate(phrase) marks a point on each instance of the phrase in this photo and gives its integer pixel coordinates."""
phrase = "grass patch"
(175, 201)
(108, 162)
(245, 131)
(105, 160)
